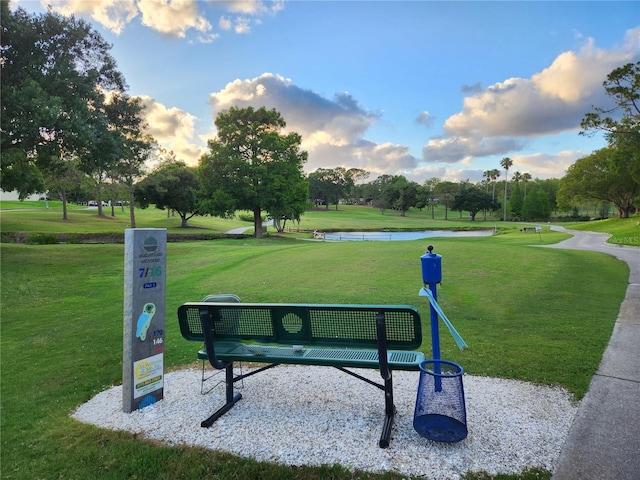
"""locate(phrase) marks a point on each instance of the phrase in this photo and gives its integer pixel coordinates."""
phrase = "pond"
(391, 236)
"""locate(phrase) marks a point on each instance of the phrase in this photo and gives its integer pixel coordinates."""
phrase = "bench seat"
(330, 357)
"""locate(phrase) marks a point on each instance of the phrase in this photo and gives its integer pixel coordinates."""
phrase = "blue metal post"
(435, 332)
(431, 276)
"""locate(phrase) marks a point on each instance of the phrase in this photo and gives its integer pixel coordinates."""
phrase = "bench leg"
(231, 399)
(389, 411)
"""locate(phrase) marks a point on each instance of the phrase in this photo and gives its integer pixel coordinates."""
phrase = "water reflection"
(391, 236)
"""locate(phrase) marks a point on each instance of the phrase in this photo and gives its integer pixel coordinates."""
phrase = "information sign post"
(144, 317)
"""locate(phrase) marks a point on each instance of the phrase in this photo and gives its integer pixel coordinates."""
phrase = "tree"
(494, 175)
(174, 186)
(252, 166)
(401, 194)
(516, 200)
(327, 185)
(373, 192)
(603, 175)
(55, 71)
(536, 206)
(506, 163)
(526, 177)
(446, 193)
(517, 177)
(471, 198)
(427, 194)
(620, 122)
(353, 176)
(133, 145)
(623, 87)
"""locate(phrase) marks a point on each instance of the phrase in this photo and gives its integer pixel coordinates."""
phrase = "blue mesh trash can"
(440, 413)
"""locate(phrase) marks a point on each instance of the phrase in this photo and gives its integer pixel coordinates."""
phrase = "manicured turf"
(541, 315)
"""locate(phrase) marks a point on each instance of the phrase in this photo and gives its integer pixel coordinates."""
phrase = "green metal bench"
(382, 337)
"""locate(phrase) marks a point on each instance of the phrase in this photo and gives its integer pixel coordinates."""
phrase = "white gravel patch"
(301, 415)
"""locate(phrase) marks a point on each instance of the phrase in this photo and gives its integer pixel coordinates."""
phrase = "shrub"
(42, 239)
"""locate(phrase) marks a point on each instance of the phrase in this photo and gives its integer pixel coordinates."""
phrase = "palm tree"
(505, 163)
(487, 178)
(495, 174)
(517, 176)
(526, 176)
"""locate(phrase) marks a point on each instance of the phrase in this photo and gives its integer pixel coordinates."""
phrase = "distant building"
(14, 196)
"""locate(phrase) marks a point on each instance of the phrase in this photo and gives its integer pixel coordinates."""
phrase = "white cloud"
(332, 130)
(496, 120)
(458, 148)
(173, 128)
(112, 14)
(543, 166)
(173, 17)
(253, 7)
(170, 17)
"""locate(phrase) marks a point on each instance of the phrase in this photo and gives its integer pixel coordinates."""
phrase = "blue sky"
(421, 89)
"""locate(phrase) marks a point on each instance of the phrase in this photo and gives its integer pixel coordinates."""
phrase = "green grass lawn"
(625, 231)
(541, 315)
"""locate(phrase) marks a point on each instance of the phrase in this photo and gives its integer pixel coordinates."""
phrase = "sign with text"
(145, 262)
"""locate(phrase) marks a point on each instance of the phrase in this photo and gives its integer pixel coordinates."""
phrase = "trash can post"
(431, 276)
(440, 412)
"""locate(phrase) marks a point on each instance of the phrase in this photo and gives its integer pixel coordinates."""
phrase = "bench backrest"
(304, 324)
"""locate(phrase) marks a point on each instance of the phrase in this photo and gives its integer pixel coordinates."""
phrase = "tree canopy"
(55, 71)
(472, 198)
(603, 175)
(65, 116)
(611, 174)
(172, 185)
(252, 166)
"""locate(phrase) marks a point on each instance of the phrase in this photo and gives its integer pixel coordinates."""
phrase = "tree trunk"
(63, 197)
(132, 203)
(132, 214)
(623, 212)
(257, 222)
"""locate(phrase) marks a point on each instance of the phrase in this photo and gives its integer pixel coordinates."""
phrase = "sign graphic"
(144, 317)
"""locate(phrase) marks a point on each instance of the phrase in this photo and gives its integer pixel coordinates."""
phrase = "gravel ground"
(297, 415)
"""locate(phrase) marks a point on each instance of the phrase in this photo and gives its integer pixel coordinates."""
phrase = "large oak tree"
(55, 71)
(252, 165)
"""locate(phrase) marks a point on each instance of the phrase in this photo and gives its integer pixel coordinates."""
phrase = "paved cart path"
(604, 439)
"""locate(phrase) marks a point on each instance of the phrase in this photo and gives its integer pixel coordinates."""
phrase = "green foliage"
(173, 185)
(401, 194)
(536, 206)
(615, 178)
(42, 239)
(251, 166)
(516, 201)
(603, 175)
(472, 198)
(54, 70)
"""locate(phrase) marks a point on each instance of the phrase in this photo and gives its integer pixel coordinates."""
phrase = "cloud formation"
(173, 128)
(171, 17)
(332, 130)
(498, 119)
(112, 14)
